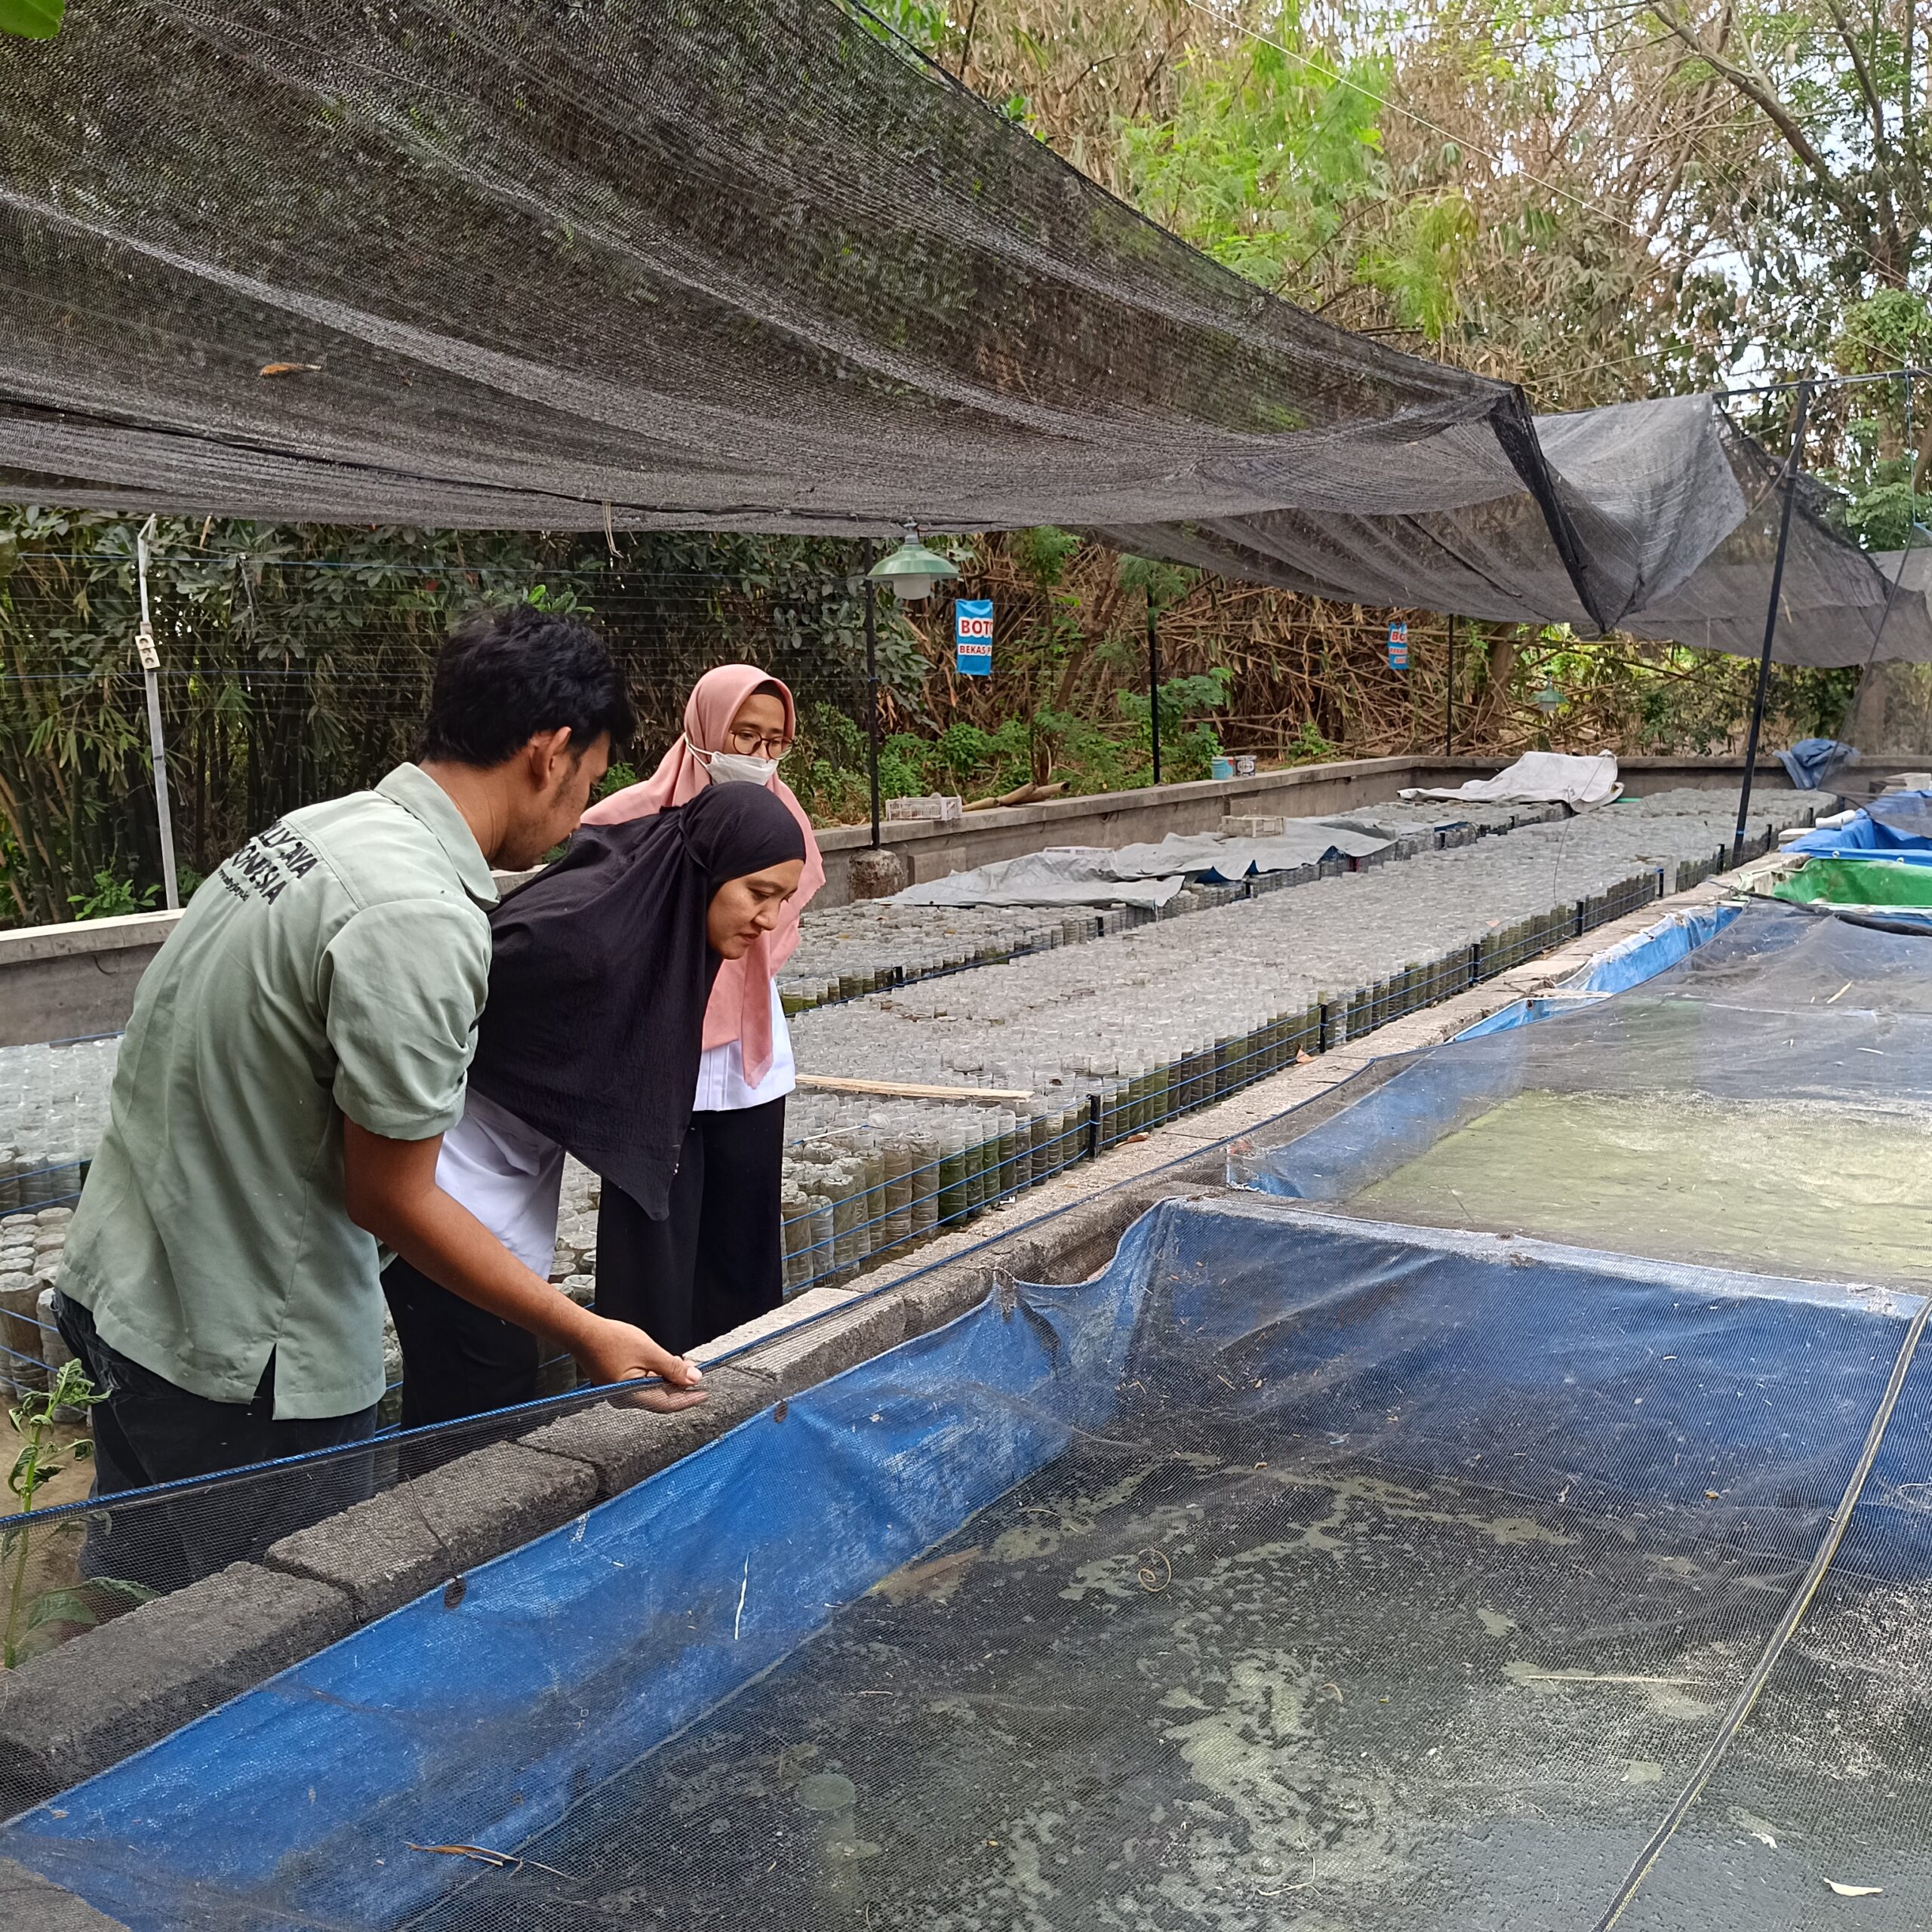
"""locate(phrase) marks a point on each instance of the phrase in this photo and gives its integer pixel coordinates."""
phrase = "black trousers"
(457, 1359)
(149, 1431)
(717, 1259)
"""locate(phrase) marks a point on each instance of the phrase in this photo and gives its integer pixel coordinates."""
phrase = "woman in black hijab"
(588, 1044)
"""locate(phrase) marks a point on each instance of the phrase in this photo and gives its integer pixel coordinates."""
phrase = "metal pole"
(1154, 681)
(1770, 622)
(872, 688)
(1449, 697)
(150, 658)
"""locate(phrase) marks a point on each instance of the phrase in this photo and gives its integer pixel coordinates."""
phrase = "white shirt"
(509, 1176)
(722, 1088)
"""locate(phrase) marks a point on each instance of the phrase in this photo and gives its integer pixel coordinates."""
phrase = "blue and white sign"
(1398, 645)
(973, 636)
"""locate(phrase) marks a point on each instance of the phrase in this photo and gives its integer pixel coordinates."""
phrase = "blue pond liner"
(1679, 1423)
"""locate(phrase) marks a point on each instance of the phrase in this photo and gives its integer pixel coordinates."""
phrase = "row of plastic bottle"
(53, 1112)
(846, 951)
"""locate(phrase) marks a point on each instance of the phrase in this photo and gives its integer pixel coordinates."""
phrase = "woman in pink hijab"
(717, 1259)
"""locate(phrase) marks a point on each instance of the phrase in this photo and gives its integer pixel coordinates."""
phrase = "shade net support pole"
(150, 657)
(1770, 621)
(1154, 681)
(872, 688)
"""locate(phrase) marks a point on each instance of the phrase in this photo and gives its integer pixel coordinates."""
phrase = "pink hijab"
(741, 1006)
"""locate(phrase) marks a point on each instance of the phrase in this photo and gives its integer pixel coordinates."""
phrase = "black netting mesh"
(478, 265)
(726, 266)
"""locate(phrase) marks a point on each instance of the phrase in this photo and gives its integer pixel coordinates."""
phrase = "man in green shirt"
(296, 1051)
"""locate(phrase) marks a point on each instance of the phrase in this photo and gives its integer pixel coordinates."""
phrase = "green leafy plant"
(1189, 744)
(32, 1618)
(32, 19)
(1308, 746)
(113, 898)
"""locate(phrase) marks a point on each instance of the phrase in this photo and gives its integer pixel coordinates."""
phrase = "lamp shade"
(912, 569)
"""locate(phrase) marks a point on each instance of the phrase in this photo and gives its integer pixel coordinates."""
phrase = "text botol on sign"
(973, 636)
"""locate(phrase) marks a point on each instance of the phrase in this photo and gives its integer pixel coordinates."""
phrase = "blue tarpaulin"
(1898, 826)
(1811, 763)
(1103, 1599)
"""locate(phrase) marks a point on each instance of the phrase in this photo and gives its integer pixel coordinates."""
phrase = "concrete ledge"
(622, 1446)
(116, 1689)
(139, 932)
(947, 1294)
(807, 1356)
(383, 1553)
(27, 1900)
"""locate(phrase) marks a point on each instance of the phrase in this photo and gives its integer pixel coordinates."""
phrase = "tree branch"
(1758, 91)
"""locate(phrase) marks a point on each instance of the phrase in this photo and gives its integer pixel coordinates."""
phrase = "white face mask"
(734, 767)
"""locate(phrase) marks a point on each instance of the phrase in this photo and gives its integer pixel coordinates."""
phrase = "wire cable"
(1780, 1637)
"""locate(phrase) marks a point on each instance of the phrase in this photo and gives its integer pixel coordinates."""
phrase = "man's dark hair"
(506, 675)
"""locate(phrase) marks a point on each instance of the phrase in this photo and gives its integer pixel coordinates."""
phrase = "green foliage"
(1308, 746)
(1265, 151)
(31, 1620)
(1189, 744)
(922, 24)
(1164, 584)
(565, 600)
(960, 750)
(1884, 516)
(1429, 250)
(1043, 553)
(112, 898)
(32, 19)
(1891, 330)
(298, 661)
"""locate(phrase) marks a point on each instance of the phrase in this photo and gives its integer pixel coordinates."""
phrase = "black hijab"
(600, 974)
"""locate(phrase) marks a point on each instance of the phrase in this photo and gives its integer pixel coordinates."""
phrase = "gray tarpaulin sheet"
(1036, 879)
(1300, 842)
(1146, 875)
(1674, 516)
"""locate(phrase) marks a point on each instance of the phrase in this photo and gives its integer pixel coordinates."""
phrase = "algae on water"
(1788, 1187)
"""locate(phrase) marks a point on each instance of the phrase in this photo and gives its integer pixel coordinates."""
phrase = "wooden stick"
(900, 1090)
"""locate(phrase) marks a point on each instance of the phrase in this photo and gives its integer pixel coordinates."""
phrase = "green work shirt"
(336, 965)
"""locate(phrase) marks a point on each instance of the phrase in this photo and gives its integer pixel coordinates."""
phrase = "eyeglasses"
(749, 741)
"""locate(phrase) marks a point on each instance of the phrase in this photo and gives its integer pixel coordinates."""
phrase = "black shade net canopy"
(644, 264)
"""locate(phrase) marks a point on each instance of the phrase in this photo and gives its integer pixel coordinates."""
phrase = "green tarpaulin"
(1857, 882)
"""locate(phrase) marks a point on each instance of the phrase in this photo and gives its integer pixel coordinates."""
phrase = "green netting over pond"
(1295, 1571)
